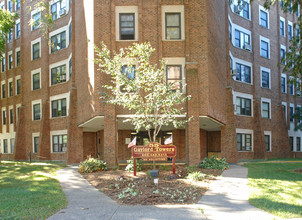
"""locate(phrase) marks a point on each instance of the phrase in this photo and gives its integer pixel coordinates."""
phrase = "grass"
(30, 190)
(275, 188)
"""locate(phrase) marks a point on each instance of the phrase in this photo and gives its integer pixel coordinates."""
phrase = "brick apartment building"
(226, 54)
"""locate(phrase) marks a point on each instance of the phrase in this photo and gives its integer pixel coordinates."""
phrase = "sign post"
(154, 152)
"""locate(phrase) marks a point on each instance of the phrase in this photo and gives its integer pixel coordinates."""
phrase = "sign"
(154, 152)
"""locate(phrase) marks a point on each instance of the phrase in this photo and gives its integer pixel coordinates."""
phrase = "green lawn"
(30, 190)
(275, 188)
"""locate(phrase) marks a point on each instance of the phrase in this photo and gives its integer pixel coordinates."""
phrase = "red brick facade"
(91, 127)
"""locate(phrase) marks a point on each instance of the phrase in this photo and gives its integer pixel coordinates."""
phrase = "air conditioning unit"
(63, 78)
(62, 12)
(247, 47)
(233, 72)
(237, 9)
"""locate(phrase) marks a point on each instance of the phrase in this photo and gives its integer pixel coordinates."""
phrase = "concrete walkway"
(227, 198)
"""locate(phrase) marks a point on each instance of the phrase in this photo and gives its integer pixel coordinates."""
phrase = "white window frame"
(58, 31)
(11, 125)
(33, 12)
(37, 134)
(57, 97)
(5, 67)
(289, 23)
(269, 133)
(261, 8)
(291, 105)
(269, 46)
(16, 78)
(283, 20)
(269, 73)
(178, 61)
(38, 40)
(246, 131)
(285, 104)
(17, 22)
(292, 86)
(2, 5)
(57, 132)
(270, 107)
(3, 126)
(58, 12)
(38, 101)
(57, 64)
(31, 78)
(17, 116)
(246, 96)
(173, 9)
(241, 29)
(8, 89)
(283, 75)
(10, 53)
(235, 2)
(283, 48)
(17, 50)
(126, 9)
(246, 63)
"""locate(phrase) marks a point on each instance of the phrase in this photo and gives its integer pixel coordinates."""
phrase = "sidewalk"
(227, 198)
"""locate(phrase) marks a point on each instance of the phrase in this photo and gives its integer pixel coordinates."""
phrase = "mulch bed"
(125, 188)
(298, 171)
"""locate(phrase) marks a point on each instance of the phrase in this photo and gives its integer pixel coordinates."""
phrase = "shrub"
(196, 176)
(130, 166)
(214, 163)
(92, 165)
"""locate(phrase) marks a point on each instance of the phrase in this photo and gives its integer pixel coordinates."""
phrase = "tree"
(141, 87)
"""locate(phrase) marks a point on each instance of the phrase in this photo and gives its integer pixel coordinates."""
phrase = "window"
(127, 26)
(242, 40)
(263, 17)
(36, 111)
(18, 57)
(291, 89)
(266, 108)
(18, 89)
(284, 109)
(35, 19)
(10, 61)
(4, 117)
(36, 51)
(11, 116)
(12, 145)
(10, 36)
(58, 9)
(173, 26)
(291, 143)
(174, 76)
(58, 42)
(242, 9)
(290, 30)
(126, 22)
(58, 108)
(70, 67)
(282, 54)
(18, 106)
(5, 148)
(18, 29)
(282, 4)
(17, 4)
(298, 144)
(3, 63)
(3, 91)
(173, 23)
(298, 85)
(244, 142)
(35, 143)
(129, 72)
(10, 5)
(59, 143)
(291, 112)
(264, 47)
(265, 78)
(267, 139)
(282, 26)
(243, 73)
(283, 83)
(58, 74)
(36, 81)
(11, 88)
(230, 30)
(243, 106)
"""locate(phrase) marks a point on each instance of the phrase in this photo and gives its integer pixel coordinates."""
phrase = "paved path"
(227, 198)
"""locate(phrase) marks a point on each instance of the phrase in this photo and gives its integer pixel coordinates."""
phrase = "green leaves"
(152, 102)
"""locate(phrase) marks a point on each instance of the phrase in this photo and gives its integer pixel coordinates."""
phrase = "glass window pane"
(173, 20)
